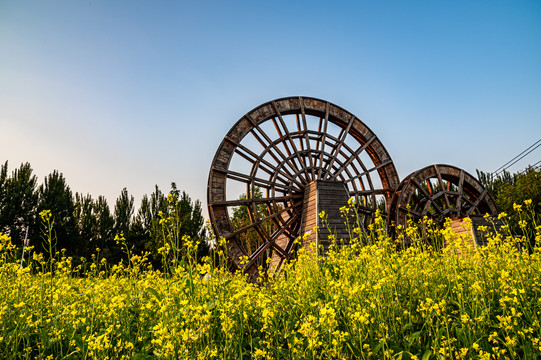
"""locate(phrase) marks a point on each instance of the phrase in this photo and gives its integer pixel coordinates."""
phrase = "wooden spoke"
(338, 146)
(369, 192)
(323, 140)
(366, 172)
(255, 181)
(440, 182)
(412, 212)
(270, 147)
(287, 133)
(256, 254)
(355, 155)
(246, 202)
(426, 207)
(476, 204)
(307, 141)
(280, 134)
(255, 159)
(429, 187)
(261, 221)
(460, 191)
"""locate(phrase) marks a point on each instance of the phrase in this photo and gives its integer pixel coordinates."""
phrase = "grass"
(447, 301)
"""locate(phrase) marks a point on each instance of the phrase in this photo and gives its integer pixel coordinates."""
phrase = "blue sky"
(134, 93)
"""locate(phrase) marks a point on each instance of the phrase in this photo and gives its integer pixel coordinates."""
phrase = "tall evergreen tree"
(123, 213)
(141, 229)
(186, 218)
(508, 189)
(86, 222)
(18, 202)
(3, 178)
(190, 215)
(55, 195)
(103, 238)
(146, 229)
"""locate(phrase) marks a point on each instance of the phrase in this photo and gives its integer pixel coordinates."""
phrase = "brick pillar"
(319, 195)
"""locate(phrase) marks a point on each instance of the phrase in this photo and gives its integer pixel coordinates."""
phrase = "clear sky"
(118, 94)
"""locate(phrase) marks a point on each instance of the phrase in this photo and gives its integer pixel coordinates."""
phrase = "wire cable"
(517, 158)
(504, 165)
(529, 167)
(506, 184)
(522, 157)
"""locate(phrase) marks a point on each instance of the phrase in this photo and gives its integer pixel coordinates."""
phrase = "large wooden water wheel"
(439, 192)
(284, 162)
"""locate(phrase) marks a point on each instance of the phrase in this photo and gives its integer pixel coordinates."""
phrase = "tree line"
(508, 189)
(83, 224)
(518, 194)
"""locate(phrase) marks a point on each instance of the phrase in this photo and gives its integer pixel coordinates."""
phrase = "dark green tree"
(190, 214)
(123, 219)
(18, 201)
(3, 179)
(508, 189)
(55, 195)
(186, 217)
(141, 226)
(123, 216)
(86, 222)
(103, 233)
(145, 228)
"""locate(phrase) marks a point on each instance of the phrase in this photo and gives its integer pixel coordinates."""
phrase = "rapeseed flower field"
(438, 298)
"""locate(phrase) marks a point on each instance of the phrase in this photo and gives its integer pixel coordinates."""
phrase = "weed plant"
(438, 298)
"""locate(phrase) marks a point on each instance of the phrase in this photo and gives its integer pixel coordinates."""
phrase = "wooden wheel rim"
(289, 160)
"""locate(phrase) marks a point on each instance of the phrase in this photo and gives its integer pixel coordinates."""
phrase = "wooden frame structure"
(286, 144)
(295, 156)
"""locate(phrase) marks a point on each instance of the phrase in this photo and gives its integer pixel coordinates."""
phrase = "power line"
(532, 167)
(518, 157)
(528, 168)
(504, 165)
(522, 157)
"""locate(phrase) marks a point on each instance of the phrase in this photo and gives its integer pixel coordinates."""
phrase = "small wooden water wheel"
(439, 192)
(282, 164)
